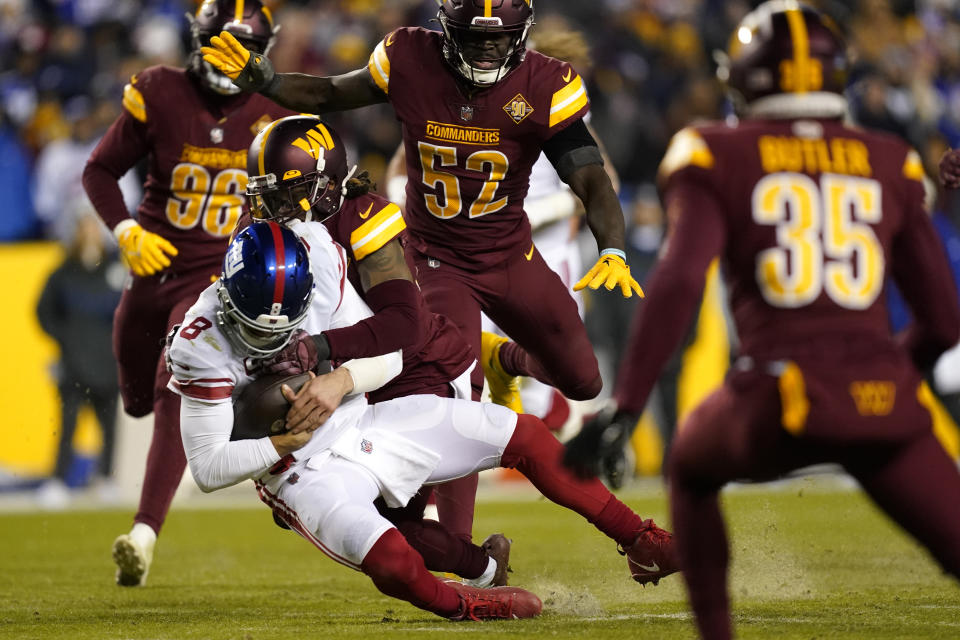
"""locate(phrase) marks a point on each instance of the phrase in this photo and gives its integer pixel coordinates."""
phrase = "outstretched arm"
(574, 153)
(254, 72)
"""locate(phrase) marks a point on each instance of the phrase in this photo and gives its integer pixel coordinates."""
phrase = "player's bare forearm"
(386, 263)
(604, 216)
(316, 94)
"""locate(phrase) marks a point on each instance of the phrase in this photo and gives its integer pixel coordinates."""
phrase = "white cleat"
(132, 558)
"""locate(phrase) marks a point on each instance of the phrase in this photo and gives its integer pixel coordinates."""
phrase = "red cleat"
(651, 556)
(495, 603)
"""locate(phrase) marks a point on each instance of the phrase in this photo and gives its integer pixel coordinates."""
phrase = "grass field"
(808, 563)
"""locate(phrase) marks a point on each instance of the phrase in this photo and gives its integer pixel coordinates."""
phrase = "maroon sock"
(535, 453)
(398, 571)
(518, 362)
(455, 502)
(443, 551)
(701, 541)
(165, 462)
(558, 413)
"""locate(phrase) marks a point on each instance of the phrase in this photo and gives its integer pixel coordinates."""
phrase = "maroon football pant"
(146, 313)
(736, 434)
(531, 304)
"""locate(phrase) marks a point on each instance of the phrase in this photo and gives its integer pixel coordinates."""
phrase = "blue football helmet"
(265, 289)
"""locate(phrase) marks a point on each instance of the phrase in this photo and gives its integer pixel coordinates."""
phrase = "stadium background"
(64, 64)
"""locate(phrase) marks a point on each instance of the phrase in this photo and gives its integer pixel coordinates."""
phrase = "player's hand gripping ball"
(260, 410)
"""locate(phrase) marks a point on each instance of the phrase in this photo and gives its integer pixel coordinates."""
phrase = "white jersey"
(206, 370)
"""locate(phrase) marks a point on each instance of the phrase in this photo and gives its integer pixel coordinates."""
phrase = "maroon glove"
(950, 169)
(303, 353)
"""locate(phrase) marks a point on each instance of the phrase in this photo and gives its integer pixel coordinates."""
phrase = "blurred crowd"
(650, 71)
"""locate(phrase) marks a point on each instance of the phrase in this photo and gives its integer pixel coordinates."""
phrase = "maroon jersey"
(469, 159)
(196, 144)
(363, 225)
(811, 210)
(809, 218)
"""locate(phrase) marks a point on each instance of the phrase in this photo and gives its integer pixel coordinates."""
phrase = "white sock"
(143, 534)
(486, 578)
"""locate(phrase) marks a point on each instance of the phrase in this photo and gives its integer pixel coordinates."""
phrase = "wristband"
(614, 252)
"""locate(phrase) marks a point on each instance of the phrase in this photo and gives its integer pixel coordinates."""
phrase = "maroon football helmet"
(468, 27)
(296, 168)
(247, 20)
(785, 49)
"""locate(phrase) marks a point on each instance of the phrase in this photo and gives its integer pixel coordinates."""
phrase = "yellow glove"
(610, 271)
(143, 252)
(249, 71)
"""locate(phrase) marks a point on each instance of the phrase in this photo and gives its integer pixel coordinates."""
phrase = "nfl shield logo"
(366, 446)
(216, 135)
(466, 113)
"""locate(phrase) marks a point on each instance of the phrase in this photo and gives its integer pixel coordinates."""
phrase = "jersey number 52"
(447, 201)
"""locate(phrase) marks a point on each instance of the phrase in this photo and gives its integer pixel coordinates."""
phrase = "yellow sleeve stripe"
(133, 102)
(380, 229)
(686, 148)
(913, 166)
(567, 101)
(379, 67)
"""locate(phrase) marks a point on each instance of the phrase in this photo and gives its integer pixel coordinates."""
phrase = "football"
(260, 409)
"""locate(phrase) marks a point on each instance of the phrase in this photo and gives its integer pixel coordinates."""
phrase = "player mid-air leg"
(548, 339)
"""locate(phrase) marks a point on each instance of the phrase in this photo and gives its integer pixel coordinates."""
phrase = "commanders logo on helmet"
(296, 167)
(265, 289)
(247, 20)
(785, 54)
(464, 21)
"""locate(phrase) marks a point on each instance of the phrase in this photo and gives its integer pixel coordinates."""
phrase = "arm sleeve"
(697, 235)
(923, 276)
(571, 148)
(214, 460)
(124, 144)
(369, 374)
(396, 323)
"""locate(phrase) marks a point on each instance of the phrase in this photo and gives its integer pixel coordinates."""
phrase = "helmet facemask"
(467, 45)
(259, 337)
(296, 199)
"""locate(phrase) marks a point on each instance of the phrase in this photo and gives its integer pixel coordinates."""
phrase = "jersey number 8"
(824, 239)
